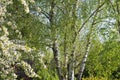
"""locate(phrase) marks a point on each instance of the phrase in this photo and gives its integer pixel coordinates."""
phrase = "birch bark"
(71, 63)
(55, 44)
(83, 63)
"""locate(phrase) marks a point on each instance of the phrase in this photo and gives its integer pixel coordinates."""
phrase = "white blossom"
(32, 1)
(9, 23)
(23, 2)
(10, 50)
(27, 9)
(11, 54)
(17, 31)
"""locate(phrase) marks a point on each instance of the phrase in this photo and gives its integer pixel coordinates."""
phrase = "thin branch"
(45, 13)
(60, 9)
(112, 6)
(90, 16)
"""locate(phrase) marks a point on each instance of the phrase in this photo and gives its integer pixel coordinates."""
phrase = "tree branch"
(90, 16)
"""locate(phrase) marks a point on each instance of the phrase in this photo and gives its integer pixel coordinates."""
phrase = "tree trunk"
(65, 57)
(54, 46)
(82, 67)
(84, 60)
(56, 58)
(71, 66)
(71, 72)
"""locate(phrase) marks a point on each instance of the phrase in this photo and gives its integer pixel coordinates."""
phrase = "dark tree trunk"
(56, 58)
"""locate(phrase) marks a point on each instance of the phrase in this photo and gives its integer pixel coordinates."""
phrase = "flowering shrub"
(10, 55)
(10, 52)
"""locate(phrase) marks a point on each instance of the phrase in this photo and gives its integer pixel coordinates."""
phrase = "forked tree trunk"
(71, 71)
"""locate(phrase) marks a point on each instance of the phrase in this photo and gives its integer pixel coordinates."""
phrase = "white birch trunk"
(71, 73)
(82, 67)
(84, 61)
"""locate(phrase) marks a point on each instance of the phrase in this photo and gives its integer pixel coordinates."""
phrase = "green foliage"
(27, 34)
(48, 74)
(94, 78)
(104, 60)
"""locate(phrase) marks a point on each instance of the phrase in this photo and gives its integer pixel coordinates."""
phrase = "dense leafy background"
(32, 32)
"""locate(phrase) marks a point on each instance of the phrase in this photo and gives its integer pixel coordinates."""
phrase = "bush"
(94, 78)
